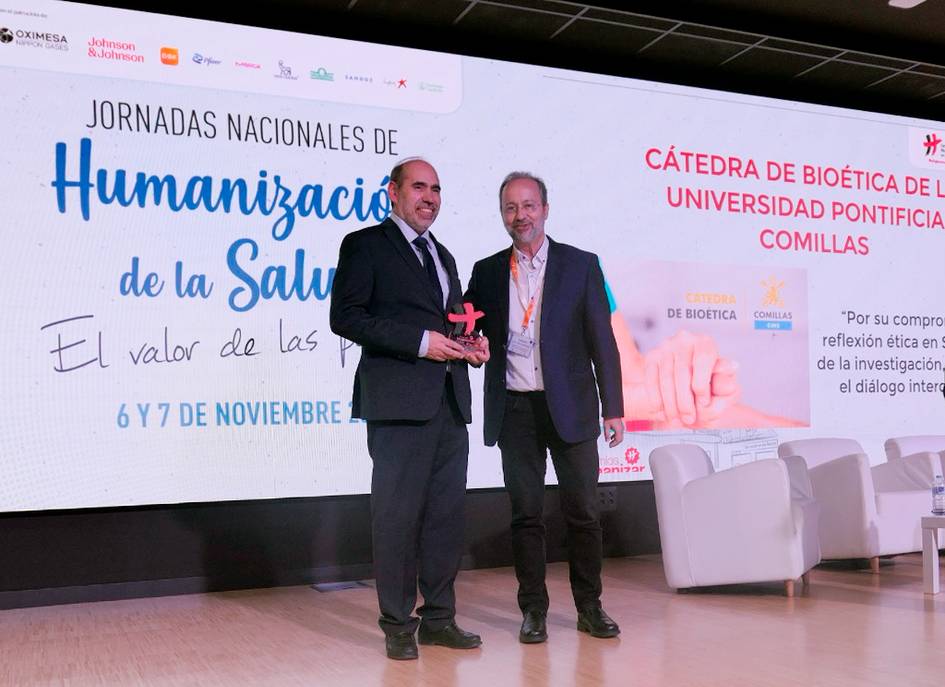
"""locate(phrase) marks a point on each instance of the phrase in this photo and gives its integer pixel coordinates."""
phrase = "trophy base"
(467, 341)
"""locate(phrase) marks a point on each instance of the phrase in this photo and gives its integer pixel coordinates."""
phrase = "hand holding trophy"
(464, 318)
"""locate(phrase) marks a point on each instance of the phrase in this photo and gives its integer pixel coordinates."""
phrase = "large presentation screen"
(174, 194)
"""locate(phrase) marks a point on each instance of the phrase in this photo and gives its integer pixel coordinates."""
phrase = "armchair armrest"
(844, 489)
(800, 479)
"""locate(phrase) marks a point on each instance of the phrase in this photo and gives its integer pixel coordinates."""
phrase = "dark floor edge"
(115, 591)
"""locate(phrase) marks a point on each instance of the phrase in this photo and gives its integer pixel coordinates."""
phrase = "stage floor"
(849, 627)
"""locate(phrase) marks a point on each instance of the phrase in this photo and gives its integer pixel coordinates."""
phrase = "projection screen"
(174, 193)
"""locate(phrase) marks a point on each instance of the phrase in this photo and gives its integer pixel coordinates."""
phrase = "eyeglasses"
(527, 206)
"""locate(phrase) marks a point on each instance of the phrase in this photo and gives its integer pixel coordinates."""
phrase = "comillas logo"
(772, 315)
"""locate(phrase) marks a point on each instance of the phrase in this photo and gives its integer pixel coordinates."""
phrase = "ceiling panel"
(911, 85)
(929, 69)
(879, 60)
(718, 34)
(568, 8)
(772, 64)
(441, 12)
(803, 48)
(849, 75)
(509, 21)
(680, 49)
(628, 18)
(606, 37)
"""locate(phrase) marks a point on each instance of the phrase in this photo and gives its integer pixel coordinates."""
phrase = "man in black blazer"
(553, 349)
(393, 286)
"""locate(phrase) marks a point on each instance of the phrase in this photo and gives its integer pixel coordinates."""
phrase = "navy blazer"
(382, 299)
(575, 336)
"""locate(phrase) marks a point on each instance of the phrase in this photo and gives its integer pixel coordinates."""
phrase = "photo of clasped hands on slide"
(732, 370)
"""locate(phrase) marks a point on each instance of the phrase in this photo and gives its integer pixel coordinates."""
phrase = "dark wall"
(93, 555)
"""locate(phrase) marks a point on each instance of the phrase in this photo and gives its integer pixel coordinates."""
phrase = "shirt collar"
(540, 256)
(409, 232)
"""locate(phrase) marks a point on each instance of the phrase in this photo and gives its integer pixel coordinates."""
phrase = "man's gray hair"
(513, 176)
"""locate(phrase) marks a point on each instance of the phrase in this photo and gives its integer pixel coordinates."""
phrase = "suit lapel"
(554, 272)
(452, 278)
(392, 231)
(503, 274)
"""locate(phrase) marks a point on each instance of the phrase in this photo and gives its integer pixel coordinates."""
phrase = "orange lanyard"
(513, 268)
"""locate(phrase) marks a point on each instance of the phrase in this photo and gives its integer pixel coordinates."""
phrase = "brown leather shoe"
(450, 636)
(401, 646)
(597, 623)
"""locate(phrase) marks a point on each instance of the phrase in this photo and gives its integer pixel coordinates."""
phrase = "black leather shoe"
(450, 636)
(401, 646)
(534, 630)
(597, 623)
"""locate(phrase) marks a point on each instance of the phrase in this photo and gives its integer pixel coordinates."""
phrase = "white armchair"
(864, 512)
(905, 447)
(897, 447)
(752, 523)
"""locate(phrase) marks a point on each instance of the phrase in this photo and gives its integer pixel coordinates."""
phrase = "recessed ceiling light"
(905, 4)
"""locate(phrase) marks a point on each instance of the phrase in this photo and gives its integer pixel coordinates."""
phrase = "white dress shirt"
(410, 235)
(523, 373)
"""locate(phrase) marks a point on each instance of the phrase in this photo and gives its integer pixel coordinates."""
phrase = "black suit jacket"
(575, 334)
(382, 299)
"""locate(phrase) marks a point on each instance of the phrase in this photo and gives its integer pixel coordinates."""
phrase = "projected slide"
(174, 194)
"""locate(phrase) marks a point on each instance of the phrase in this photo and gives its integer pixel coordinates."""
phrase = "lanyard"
(530, 306)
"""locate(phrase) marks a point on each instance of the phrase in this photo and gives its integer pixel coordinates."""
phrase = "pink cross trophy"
(464, 319)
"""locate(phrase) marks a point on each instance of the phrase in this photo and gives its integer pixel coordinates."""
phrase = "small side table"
(931, 524)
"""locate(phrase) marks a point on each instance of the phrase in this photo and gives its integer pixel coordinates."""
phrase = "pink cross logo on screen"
(932, 142)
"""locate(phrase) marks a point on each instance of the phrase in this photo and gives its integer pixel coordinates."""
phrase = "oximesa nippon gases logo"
(34, 39)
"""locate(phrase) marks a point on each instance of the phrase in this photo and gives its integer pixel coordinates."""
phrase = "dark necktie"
(421, 243)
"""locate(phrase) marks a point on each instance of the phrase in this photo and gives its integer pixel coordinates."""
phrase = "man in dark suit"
(547, 315)
(392, 288)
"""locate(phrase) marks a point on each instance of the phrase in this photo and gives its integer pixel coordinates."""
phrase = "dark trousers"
(527, 434)
(418, 492)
